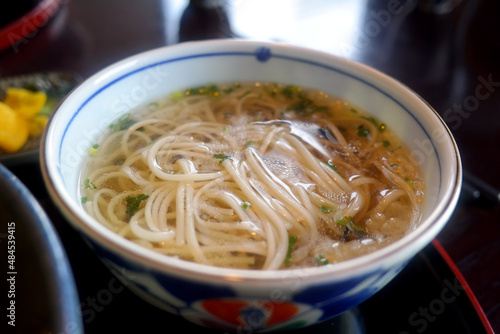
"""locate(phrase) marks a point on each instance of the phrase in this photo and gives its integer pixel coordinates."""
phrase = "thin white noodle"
(146, 234)
(180, 217)
(272, 262)
(230, 179)
(190, 231)
(388, 199)
(280, 190)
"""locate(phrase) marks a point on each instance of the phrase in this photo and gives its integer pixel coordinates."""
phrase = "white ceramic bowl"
(240, 299)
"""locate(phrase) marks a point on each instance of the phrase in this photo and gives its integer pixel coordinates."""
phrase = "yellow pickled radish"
(25, 102)
(13, 129)
(37, 125)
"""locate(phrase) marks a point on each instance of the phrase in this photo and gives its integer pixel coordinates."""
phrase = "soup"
(253, 176)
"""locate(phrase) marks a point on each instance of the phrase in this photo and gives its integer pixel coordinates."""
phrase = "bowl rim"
(397, 252)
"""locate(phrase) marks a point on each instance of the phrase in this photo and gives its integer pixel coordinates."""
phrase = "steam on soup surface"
(253, 176)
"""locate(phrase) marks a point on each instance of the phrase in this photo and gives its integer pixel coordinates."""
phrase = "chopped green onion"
(380, 126)
(93, 149)
(245, 205)
(351, 226)
(334, 168)
(363, 132)
(371, 119)
(176, 96)
(89, 185)
(212, 90)
(321, 260)
(271, 89)
(222, 157)
(292, 239)
(340, 221)
(304, 105)
(84, 199)
(386, 143)
(249, 143)
(290, 91)
(123, 123)
(325, 209)
(244, 94)
(133, 203)
(410, 183)
(355, 228)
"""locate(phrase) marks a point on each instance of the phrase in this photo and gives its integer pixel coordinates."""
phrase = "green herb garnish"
(212, 90)
(410, 183)
(371, 120)
(89, 185)
(363, 132)
(292, 239)
(350, 226)
(334, 168)
(386, 143)
(244, 94)
(271, 89)
(222, 157)
(321, 260)
(133, 203)
(307, 106)
(176, 96)
(245, 205)
(123, 123)
(380, 126)
(93, 149)
(290, 91)
(84, 199)
(303, 105)
(249, 143)
(325, 209)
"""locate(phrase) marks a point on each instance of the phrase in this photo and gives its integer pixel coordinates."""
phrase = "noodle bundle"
(253, 176)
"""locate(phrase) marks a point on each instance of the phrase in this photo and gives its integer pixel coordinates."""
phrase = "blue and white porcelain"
(245, 300)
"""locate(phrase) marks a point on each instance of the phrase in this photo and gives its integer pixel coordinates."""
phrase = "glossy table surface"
(446, 51)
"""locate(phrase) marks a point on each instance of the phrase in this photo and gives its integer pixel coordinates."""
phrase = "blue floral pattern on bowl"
(229, 310)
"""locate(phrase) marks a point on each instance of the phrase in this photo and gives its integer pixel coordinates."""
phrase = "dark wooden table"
(447, 51)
